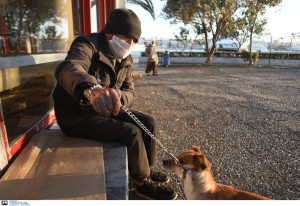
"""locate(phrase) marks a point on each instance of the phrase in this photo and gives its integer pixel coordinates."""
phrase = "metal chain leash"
(134, 118)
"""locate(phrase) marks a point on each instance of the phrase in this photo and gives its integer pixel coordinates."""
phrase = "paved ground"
(245, 120)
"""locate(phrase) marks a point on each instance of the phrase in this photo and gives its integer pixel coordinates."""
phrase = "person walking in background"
(152, 61)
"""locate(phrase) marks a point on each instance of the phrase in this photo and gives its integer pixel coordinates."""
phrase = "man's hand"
(104, 100)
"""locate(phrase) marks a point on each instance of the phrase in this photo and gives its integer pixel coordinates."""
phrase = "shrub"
(255, 56)
(245, 55)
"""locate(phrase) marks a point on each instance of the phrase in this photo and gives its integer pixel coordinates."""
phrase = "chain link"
(134, 118)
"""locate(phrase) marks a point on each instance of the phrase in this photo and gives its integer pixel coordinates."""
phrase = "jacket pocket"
(121, 77)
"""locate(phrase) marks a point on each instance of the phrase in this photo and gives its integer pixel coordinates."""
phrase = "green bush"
(255, 56)
(245, 55)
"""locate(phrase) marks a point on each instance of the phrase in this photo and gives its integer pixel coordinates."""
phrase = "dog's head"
(192, 159)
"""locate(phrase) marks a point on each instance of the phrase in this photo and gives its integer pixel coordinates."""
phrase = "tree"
(145, 4)
(198, 31)
(50, 37)
(26, 17)
(182, 37)
(212, 15)
(238, 31)
(254, 10)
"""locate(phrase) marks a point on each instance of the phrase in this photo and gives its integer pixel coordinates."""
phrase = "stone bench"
(54, 166)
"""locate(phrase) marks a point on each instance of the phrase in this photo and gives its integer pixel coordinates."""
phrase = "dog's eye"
(181, 162)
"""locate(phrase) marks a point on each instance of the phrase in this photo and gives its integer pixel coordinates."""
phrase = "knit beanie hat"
(123, 21)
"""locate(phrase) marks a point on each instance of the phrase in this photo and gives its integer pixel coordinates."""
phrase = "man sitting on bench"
(92, 83)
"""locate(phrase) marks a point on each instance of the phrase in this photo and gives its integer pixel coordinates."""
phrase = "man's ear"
(201, 163)
(196, 149)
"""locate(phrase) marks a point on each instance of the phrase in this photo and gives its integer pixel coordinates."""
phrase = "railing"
(276, 55)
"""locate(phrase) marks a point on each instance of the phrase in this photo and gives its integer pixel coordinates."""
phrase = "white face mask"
(119, 48)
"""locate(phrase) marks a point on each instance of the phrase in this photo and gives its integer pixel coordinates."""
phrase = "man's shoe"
(159, 177)
(154, 191)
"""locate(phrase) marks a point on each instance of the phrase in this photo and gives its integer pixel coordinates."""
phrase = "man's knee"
(149, 122)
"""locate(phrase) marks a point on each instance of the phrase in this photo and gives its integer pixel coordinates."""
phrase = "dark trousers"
(141, 147)
(151, 66)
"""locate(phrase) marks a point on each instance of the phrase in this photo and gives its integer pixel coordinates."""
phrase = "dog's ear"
(196, 149)
(201, 163)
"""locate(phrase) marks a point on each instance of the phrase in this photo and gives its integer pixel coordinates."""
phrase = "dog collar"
(185, 169)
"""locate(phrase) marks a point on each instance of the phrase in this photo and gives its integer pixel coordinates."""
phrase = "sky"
(282, 20)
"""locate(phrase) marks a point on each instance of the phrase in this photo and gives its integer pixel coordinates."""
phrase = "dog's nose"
(165, 162)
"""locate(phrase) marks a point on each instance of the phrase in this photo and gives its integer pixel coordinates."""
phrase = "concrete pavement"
(245, 120)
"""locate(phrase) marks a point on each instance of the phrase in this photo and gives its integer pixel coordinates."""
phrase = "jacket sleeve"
(74, 69)
(147, 51)
(128, 91)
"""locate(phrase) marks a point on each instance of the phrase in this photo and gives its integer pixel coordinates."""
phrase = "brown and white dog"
(198, 181)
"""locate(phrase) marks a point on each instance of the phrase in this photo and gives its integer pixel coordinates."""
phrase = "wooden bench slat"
(53, 166)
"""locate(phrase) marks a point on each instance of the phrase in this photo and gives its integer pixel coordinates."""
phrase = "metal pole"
(270, 52)
(101, 14)
(290, 46)
(86, 22)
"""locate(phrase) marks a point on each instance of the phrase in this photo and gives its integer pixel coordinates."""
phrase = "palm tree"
(145, 4)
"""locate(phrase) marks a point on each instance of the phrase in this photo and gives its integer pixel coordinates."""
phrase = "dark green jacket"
(86, 64)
